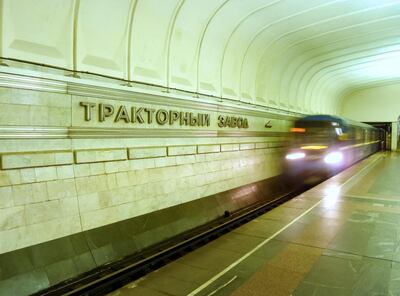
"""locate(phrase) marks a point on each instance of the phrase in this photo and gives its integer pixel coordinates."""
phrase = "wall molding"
(33, 159)
(28, 79)
(29, 132)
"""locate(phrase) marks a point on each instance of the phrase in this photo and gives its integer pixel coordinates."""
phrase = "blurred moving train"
(322, 145)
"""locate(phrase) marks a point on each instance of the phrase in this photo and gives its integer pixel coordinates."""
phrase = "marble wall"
(62, 175)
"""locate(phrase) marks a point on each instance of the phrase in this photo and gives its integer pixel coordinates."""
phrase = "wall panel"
(39, 31)
(102, 37)
(150, 33)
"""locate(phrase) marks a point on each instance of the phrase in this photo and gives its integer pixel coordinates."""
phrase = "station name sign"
(143, 115)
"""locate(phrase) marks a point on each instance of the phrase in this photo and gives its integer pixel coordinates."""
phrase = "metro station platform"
(342, 237)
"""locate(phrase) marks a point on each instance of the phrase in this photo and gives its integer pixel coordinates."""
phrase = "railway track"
(108, 278)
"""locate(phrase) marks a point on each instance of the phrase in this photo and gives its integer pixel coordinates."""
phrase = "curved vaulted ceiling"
(294, 55)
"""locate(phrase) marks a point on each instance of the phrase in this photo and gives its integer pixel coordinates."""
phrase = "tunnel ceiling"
(296, 55)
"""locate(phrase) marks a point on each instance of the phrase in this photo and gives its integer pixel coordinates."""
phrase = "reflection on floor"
(340, 238)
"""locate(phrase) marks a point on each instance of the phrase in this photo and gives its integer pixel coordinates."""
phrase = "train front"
(316, 149)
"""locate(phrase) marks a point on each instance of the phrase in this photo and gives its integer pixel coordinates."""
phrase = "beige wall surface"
(61, 175)
(379, 104)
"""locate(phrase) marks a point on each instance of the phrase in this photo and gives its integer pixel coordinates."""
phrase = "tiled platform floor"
(340, 238)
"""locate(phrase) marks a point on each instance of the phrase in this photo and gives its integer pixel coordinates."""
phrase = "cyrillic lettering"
(221, 121)
(240, 122)
(184, 118)
(234, 122)
(173, 116)
(206, 120)
(193, 119)
(122, 114)
(136, 115)
(245, 123)
(162, 116)
(88, 109)
(105, 110)
(150, 113)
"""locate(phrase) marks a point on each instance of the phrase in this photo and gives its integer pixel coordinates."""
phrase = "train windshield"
(322, 132)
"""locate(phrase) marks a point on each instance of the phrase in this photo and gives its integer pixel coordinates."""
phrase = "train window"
(351, 133)
(338, 131)
(358, 134)
(367, 136)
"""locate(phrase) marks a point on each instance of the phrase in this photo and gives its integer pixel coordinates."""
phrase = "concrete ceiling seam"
(276, 40)
(200, 43)
(320, 71)
(291, 88)
(317, 61)
(345, 80)
(132, 11)
(240, 22)
(213, 47)
(185, 42)
(76, 6)
(344, 94)
(317, 24)
(303, 85)
(355, 65)
(168, 39)
(352, 57)
(289, 74)
(262, 30)
(1, 30)
(304, 40)
(151, 24)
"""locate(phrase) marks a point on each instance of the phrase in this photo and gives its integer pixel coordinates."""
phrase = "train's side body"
(323, 144)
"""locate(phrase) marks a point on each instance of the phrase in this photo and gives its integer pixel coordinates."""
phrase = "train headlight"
(333, 158)
(295, 155)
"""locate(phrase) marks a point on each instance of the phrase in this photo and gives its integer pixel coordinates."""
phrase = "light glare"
(313, 147)
(298, 130)
(333, 158)
(331, 194)
(296, 155)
